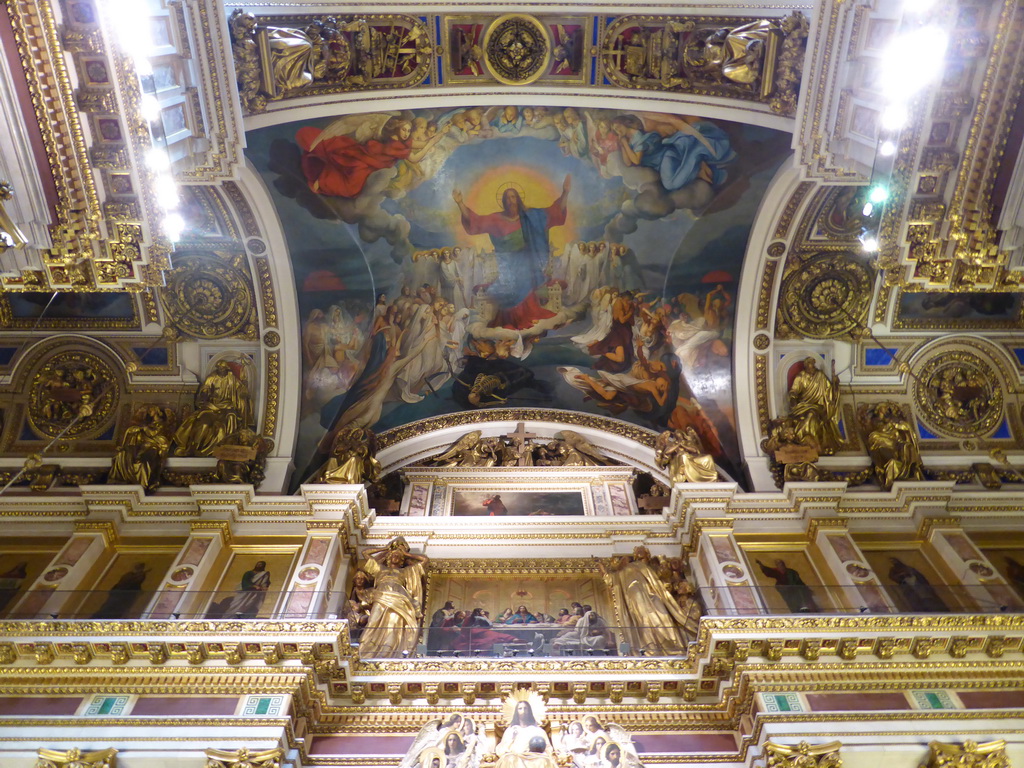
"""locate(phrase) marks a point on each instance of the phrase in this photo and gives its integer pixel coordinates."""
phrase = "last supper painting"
(516, 256)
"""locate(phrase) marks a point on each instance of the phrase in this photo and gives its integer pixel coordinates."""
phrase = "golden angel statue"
(394, 624)
(453, 742)
(470, 450)
(580, 452)
(655, 619)
(352, 461)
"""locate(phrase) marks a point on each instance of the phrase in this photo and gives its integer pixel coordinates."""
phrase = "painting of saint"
(517, 255)
(248, 600)
(916, 591)
(791, 586)
(122, 596)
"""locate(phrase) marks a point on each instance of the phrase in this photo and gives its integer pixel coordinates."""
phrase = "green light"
(878, 194)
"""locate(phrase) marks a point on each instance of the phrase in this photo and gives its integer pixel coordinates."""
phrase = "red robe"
(339, 166)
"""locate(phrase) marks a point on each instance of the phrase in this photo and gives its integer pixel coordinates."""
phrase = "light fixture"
(894, 117)
(158, 159)
(173, 225)
(916, 58)
(868, 209)
(887, 148)
(150, 107)
(869, 242)
(166, 192)
(878, 194)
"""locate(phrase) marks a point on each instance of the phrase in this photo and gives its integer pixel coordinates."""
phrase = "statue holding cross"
(518, 452)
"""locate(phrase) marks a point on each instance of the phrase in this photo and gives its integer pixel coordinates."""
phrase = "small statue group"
(221, 426)
(567, 449)
(352, 459)
(681, 453)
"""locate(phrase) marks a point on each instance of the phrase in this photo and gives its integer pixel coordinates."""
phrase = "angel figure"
(432, 736)
(470, 450)
(680, 151)
(338, 160)
(580, 452)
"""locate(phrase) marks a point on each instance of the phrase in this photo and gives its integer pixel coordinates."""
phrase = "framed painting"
(128, 583)
(20, 566)
(467, 503)
(789, 581)
(912, 582)
(252, 584)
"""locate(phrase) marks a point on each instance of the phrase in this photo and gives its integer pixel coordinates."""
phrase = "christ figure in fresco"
(520, 239)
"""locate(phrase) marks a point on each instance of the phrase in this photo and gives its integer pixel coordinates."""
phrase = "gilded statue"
(736, 54)
(892, 444)
(394, 624)
(140, 457)
(352, 459)
(242, 457)
(245, 52)
(672, 572)
(681, 453)
(580, 452)
(223, 406)
(814, 406)
(654, 617)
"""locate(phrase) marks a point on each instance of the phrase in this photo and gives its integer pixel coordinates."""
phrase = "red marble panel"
(361, 745)
(683, 743)
(39, 705)
(856, 702)
(992, 699)
(185, 705)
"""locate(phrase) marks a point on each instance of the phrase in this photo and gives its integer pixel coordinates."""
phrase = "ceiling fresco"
(581, 259)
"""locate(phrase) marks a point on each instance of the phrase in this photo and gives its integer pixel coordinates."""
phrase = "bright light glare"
(887, 148)
(912, 60)
(150, 107)
(174, 225)
(158, 160)
(131, 26)
(878, 194)
(894, 117)
(917, 6)
(869, 243)
(868, 209)
(166, 192)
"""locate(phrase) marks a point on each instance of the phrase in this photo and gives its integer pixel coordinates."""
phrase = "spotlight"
(868, 209)
(150, 107)
(887, 148)
(158, 160)
(173, 226)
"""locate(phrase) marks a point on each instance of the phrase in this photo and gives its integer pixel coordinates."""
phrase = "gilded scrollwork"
(76, 758)
(827, 296)
(517, 49)
(287, 56)
(970, 754)
(244, 758)
(210, 296)
(803, 755)
(958, 394)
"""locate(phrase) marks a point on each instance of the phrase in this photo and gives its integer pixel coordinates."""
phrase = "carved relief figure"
(223, 405)
(394, 624)
(735, 54)
(655, 619)
(242, 457)
(814, 406)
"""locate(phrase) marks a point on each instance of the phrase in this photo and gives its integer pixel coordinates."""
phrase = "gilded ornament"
(209, 297)
(891, 442)
(775, 250)
(143, 449)
(76, 758)
(683, 456)
(73, 396)
(567, 449)
(792, 455)
(827, 296)
(517, 49)
(762, 341)
(244, 758)
(223, 406)
(958, 394)
(272, 339)
(256, 246)
(803, 755)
